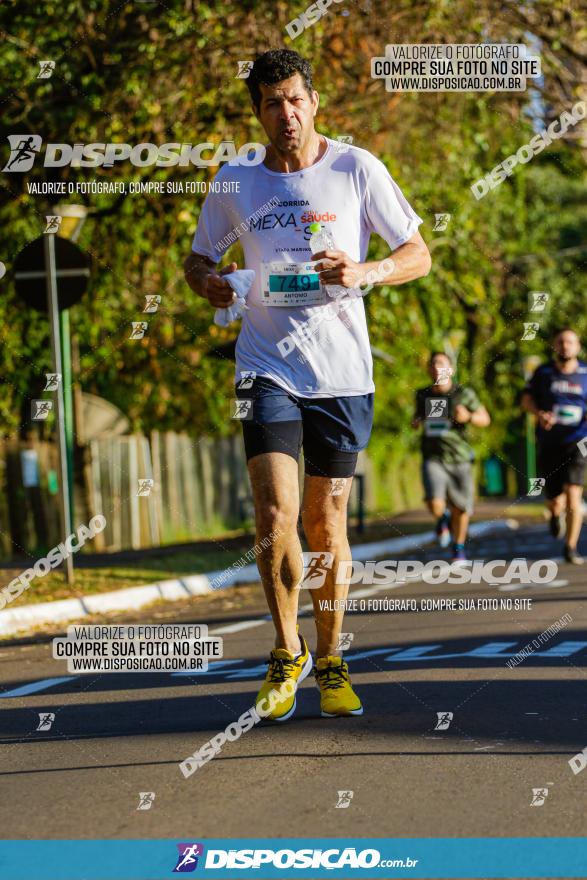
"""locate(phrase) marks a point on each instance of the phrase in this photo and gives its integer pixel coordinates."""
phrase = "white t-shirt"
(317, 350)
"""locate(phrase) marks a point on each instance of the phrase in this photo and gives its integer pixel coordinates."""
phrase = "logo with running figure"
(46, 720)
(138, 329)
(145, 487)
(316, 564)
(345, 641)
(47, 68)
(242, 408)
(444, 374)
(530, 330)
(539, 795)
(344, 143)
(436, 408)
(244, 69)
(40, 409)
(537, 300)
(337, 486)
(53, 223)
(246, 380)
(441, 221)
(52, 381)
(444, 719)
(146, 799)
(536, 485)
(152, 302)
(23, 151)
(187, 859)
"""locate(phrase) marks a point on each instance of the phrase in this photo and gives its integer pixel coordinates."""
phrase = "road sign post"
(529, 364)
(72, 220)
(54, 328)
(67, 384)
(51, 275)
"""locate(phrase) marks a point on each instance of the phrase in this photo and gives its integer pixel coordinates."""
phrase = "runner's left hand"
(461, 414)
(336, 267)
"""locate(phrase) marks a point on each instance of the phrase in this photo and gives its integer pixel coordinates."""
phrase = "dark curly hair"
(438, 354)
(273, 67)
(560, 330)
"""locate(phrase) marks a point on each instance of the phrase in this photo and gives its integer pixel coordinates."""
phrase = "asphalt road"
(513, 729)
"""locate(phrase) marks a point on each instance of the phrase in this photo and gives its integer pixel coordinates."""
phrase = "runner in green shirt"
(443, 411)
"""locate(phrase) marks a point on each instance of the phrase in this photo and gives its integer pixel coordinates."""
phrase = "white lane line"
(259, 621)
(361, 594)
(36, 686)
(377, 588)
(237, 627)
(217, 666)
(507, 588)
(251, 624)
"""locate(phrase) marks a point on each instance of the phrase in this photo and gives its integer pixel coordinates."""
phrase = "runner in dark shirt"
(557, 395)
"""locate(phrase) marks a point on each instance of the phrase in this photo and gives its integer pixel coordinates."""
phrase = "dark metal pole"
(50, 267)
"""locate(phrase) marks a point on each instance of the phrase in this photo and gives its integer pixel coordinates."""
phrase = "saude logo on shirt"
(24, 149)
(314, 217)
(285, 219)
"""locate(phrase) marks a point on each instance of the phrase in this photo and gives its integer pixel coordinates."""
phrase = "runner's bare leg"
(436, 506)
(324, 517)
(459, 521)
(557, 505)
(574, 514)
(274, 480)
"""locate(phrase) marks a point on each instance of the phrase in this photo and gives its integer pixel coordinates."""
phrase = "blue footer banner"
(304, 858)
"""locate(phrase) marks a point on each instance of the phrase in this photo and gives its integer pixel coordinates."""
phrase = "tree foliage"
(166, 71)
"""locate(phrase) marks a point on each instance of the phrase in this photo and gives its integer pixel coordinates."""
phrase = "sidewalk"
(376, 528)
(381, 536)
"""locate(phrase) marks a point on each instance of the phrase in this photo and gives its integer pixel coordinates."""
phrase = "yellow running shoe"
(336, 694)
(276, 701)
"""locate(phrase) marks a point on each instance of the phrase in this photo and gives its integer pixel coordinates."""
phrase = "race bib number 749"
(291, 284)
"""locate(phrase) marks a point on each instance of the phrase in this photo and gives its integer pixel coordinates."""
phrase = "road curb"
(14, 620)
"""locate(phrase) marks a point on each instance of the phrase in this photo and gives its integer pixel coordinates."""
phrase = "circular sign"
(72, 273)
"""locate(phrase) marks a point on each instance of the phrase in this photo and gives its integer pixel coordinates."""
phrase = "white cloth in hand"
(241, 282)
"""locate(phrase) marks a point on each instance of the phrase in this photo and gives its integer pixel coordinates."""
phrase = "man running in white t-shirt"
(307, 348)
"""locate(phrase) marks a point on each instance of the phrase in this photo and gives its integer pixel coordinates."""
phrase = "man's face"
(567, 345)
(286, 112)
(440, 370)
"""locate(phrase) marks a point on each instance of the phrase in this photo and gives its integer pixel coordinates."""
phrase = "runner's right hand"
(217, 291)
(546, 419)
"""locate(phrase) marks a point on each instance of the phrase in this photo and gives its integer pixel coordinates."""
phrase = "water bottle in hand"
(322, 240)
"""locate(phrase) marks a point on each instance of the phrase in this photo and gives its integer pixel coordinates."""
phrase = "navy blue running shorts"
(560, 465)
(332, 430)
